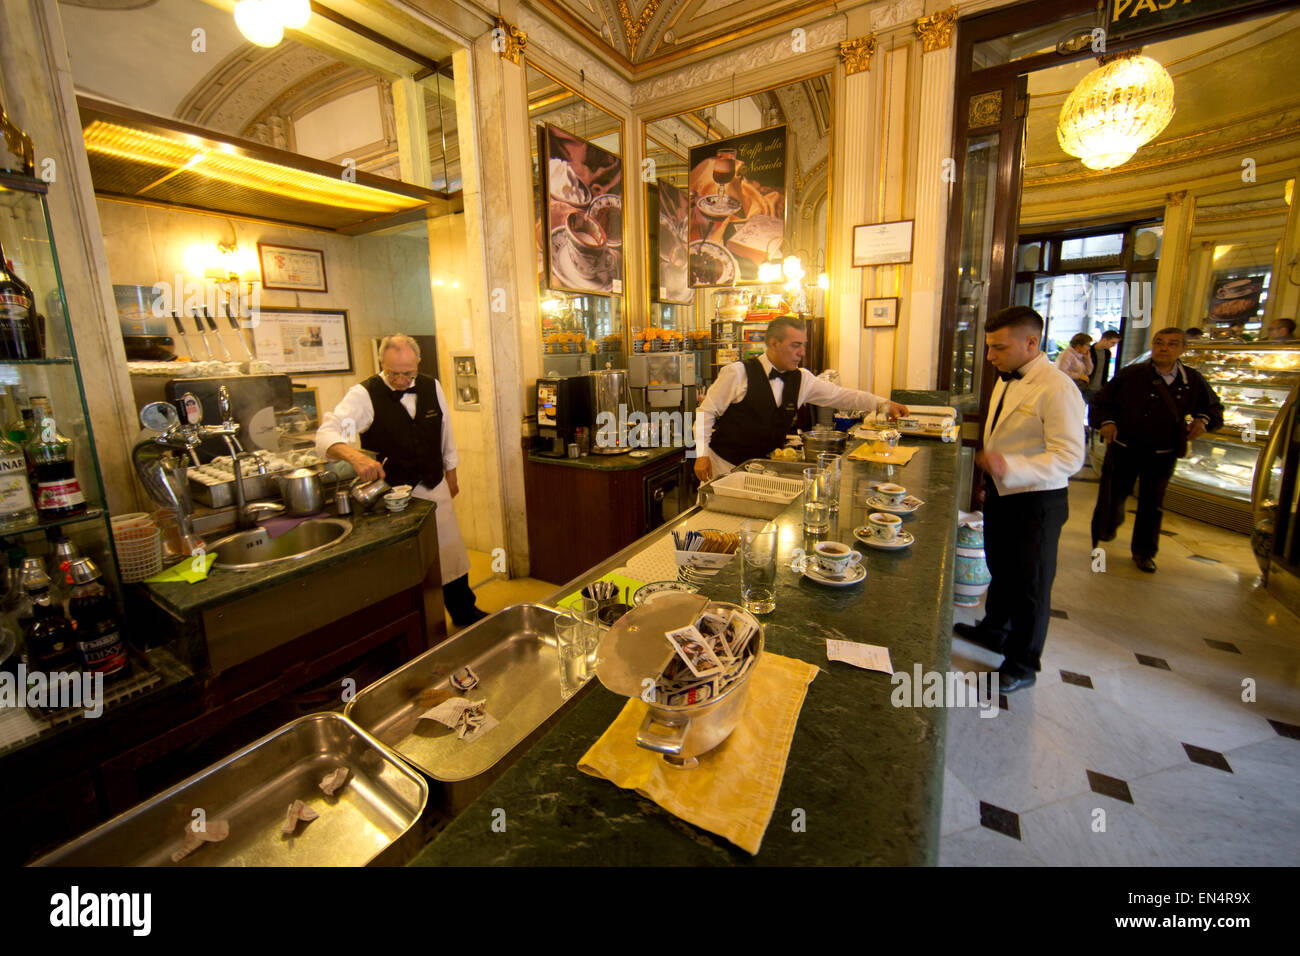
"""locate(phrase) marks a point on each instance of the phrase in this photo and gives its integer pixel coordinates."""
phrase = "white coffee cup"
(884, 527)
(836, 558)
(891, 494)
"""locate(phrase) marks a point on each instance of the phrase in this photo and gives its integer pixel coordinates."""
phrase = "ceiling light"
(293, 14)
(259, 22)
(1117, 108)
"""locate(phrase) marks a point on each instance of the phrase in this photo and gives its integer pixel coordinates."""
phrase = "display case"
(52, 371)
(1213, 483)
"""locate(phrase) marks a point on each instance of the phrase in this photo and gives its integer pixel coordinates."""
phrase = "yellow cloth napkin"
(899, 456)
(733, 791)
(572, 601)
(183, 571)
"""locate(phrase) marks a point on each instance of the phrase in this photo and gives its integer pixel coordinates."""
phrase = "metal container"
(368, 493)
(513, 653)
(609, 392)
(372, 819)
(822, 440)
(303, 490)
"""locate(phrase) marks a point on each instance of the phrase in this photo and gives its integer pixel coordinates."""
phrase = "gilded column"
(1159, 308)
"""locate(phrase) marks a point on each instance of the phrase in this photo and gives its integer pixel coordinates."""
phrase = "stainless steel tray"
(513, 654)
(381, 802)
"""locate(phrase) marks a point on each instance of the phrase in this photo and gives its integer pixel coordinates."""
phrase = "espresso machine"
(563, 406)
(664, 381)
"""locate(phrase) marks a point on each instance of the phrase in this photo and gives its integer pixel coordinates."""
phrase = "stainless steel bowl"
(822, 440)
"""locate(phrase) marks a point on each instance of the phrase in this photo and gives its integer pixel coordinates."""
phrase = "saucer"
(856, 575)
(903, 540)
(908, 505)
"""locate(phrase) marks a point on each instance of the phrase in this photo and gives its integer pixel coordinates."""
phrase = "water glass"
(758, 544)
(829, 462)
(571, 644)
(816, 502)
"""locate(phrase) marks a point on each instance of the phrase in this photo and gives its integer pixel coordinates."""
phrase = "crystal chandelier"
(1123, 104)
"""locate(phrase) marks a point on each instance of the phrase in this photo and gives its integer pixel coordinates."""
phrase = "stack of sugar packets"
(712, 654)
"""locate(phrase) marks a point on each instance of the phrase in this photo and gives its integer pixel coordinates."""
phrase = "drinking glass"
(758, 543)
(571, 644)
(829, 462)
(724, 168)
(816, 502)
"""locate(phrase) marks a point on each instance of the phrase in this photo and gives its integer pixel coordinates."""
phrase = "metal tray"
(381, 802)
(513, 654)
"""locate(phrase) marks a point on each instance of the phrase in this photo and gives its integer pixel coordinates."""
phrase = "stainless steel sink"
(247, 550)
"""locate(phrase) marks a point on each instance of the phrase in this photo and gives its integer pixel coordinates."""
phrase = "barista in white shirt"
(1033, 443)
(736, 422)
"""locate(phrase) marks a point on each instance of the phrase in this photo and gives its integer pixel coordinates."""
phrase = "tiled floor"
(492, 593)
(1154, 759)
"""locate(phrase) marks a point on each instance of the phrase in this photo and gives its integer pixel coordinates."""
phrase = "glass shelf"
(92, 513)
(66, 360)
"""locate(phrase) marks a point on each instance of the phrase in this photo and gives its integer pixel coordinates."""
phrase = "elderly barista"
(404, 417)
(751, 406)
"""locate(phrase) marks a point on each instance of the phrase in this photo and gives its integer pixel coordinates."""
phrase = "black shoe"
(976, 635)
(472, 616)
(1145, 564)
(1010, 683)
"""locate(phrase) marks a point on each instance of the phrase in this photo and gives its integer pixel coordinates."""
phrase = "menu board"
(302, 341)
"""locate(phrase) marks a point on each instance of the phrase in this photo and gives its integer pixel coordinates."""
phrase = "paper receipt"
(871, 657)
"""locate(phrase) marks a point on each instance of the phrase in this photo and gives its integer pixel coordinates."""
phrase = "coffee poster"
(737, 207)
(584, 216)
(1235, 299)
(674, 222)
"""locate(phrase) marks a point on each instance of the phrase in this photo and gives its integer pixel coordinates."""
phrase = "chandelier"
(1122, 105)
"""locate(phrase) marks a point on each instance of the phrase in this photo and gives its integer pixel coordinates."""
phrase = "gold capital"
(935, 30)
(1176, 199)
(508, 41)
(856, 54)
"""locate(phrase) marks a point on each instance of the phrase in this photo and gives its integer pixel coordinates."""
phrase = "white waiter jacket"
(1040, 429)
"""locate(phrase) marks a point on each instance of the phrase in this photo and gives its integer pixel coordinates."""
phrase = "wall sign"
(292, 268)
(882, 243)
(1131, 18)
(303, 341)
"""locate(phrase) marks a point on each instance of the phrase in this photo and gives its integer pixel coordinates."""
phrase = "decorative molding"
(893, 14)
(1176, 198)
(515, 40)
(985, 110)
(801, 181)
(935, 30)
(633, 29)
(856, 54)
(564, 50)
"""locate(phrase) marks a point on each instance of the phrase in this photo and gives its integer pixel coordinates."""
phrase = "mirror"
(578, 185)
(160, 416)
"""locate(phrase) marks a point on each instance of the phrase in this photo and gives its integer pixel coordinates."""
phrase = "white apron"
(451, 547)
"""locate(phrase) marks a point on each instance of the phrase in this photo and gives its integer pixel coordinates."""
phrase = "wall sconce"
(823, 281)
(769, 272)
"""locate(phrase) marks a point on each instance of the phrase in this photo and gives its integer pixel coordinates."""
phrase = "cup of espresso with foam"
(586, 235)
(836, 558)
(891, 494)
(884, 527)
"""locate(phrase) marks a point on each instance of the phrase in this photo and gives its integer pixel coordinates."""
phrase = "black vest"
(413, 446)
(754, 426)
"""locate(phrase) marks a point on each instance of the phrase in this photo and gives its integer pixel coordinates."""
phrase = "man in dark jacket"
(1147, 414)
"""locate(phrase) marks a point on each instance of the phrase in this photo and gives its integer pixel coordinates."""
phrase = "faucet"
(228, 431)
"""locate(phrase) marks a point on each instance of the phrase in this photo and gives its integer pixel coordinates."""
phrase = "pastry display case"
(1213, 483)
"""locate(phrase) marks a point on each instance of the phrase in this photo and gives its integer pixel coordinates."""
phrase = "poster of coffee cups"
(584, 190)
(1235, 299)
(737, 207)
(674, 219)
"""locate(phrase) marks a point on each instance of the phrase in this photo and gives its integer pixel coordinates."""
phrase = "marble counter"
(867, 776)
(623, 462)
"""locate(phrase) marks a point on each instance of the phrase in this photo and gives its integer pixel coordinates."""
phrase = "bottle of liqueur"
(47, 633)
(58, 493)
(18, 424)
(95, 623)
(16, 507)
(19, 336)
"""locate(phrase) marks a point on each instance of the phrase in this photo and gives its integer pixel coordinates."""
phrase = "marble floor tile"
(1073, 833)
(1274, 764)
(1075, 646)
(961, 808)
(980, 846)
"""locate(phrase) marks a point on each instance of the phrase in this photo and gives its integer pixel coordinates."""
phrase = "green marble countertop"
(623, 462)
(369, 532)
(868, 776)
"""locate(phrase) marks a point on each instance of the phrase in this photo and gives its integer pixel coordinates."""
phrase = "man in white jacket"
(1033, 443)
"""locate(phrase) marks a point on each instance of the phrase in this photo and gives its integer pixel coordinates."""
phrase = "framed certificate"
(292, 268)
(883, 243)
(302, 341)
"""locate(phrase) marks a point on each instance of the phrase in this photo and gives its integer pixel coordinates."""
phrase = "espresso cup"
(586, 235)
(891, 494)
(884, 527)
(836, 558)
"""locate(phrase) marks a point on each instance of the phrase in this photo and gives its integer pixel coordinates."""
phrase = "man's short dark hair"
(776, 329)
(1195, 332)
(1110, 334)
(1288, 324)
(1019, 317)
(1171, 330)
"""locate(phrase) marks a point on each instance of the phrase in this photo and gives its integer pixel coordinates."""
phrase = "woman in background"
(1076, 361)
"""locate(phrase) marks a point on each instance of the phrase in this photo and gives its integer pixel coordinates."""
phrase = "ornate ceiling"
(642, 31)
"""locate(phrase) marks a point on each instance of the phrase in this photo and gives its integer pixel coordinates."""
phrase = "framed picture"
(302, 341)
(292, 268)
(583, 184)
(883, 243)
(669, 207)
(308, 399)
(737, 207)
(879, 313)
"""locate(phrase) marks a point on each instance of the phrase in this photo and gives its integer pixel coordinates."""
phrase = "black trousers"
(1021, 532)
(1123, 468)
(460, 601)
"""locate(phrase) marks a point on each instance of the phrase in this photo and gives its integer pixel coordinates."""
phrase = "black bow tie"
(399, 392)
(1008, 376)
(775, 373)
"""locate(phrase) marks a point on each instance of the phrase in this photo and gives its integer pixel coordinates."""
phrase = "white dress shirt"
(732, 384)
(1040, 429)
(357, 407)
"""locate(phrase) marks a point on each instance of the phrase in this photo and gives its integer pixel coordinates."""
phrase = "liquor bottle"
(95, 623)
(19, 338)
(16, 428)
(16, 507)
(58, 493)
(62, 553)
(48, 634)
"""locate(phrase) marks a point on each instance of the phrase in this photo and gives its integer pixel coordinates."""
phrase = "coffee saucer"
(904, 539)
(855, 575)
(906, 507)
